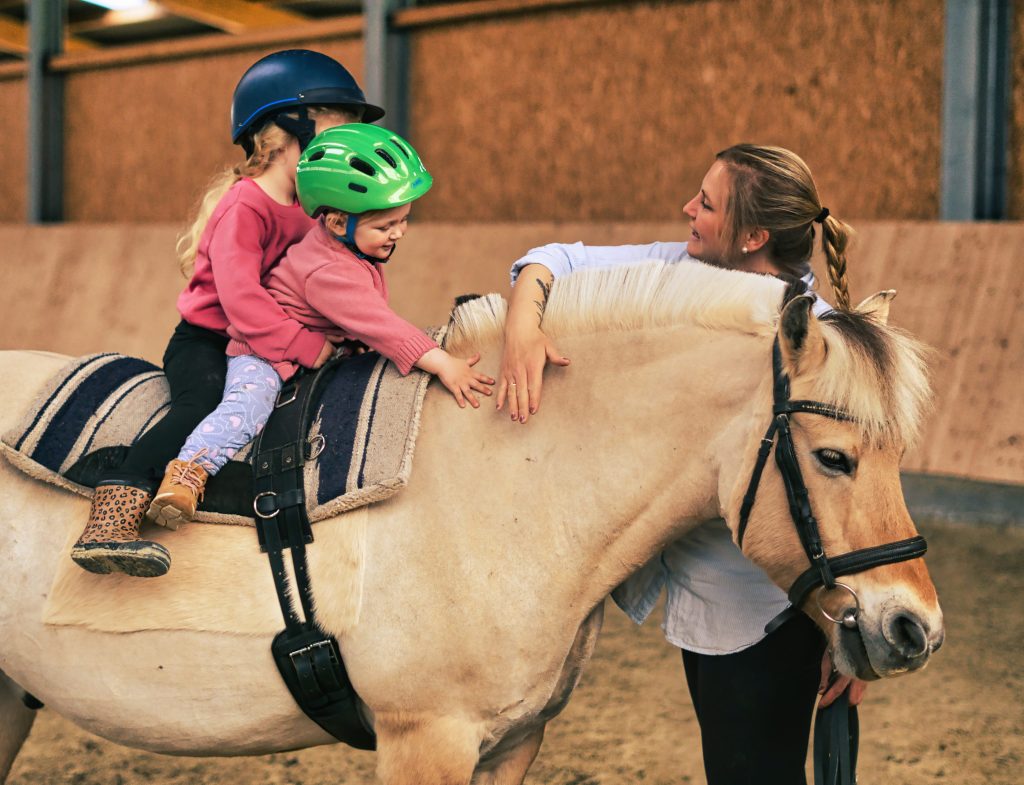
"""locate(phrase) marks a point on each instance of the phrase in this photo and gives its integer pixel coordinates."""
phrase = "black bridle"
(824, 569)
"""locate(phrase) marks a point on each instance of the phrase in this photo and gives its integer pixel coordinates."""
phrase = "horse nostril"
(907, 635)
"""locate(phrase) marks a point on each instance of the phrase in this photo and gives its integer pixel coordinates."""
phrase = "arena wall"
(85, 288)
(585, 111)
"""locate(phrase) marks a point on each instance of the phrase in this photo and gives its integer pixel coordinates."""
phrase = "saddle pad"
(90, 413)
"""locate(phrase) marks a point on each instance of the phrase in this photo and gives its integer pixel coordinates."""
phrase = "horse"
(484, 580)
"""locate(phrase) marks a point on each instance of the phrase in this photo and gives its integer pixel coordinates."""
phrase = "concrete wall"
(85, 288)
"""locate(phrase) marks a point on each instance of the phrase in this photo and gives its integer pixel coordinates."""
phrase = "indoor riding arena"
(546, 121)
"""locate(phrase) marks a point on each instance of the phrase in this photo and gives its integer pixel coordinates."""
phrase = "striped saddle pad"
(91, 412)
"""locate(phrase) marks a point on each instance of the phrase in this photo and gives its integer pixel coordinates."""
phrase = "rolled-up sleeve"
(564, 258)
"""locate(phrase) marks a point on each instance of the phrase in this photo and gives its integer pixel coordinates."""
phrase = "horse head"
(827, 519)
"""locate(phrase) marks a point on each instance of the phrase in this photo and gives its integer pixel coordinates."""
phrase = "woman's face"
(706, 211)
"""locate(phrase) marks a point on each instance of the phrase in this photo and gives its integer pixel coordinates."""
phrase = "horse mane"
(876, 373)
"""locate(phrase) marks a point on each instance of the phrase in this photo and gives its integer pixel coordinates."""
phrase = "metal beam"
(14, 39)
(387, 62)
(45, 113)
(233, 16)
(975, 111)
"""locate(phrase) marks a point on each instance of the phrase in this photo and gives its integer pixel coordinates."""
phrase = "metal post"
(975, 112)
(387, 62)
(45, 113)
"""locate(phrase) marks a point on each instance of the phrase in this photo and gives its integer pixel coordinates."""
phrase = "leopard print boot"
(111, 543)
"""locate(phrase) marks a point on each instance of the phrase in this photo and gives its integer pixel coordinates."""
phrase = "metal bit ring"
(849, 617)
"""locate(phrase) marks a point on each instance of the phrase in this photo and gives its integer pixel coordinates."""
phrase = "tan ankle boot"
(179, 493)
(111, 543)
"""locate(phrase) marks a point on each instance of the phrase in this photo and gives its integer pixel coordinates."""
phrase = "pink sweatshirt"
(246, 235)
(326, 287)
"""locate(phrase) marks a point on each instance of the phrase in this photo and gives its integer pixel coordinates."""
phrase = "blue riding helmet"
(288, 80)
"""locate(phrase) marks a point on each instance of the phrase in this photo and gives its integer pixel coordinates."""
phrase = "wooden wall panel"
(1015, 187)
(13, 152)
(87, 288)
(614, 112)
(143, 141)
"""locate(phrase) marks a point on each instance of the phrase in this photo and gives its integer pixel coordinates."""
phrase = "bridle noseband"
(823, 570)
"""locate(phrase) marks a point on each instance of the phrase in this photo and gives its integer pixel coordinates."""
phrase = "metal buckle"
(849, 618)
(311, 647)
(317, 445)
(279, 403)
(256, 509)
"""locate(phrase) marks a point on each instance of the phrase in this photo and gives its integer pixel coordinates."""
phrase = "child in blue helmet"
(246, 221)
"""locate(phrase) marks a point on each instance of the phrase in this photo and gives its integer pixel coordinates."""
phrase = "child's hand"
(325, 355)
(457, 375)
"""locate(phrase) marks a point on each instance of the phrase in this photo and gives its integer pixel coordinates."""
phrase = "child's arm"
(457, 375)
(344, 294)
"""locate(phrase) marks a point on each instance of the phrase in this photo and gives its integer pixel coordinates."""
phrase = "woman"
(753, 693)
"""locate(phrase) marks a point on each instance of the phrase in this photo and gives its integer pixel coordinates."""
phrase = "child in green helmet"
(359, 181)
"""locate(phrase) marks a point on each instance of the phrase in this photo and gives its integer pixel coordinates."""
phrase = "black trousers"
(196, 368)
(754, 707)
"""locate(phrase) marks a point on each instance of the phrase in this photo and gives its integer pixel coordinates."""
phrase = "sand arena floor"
(959, 722)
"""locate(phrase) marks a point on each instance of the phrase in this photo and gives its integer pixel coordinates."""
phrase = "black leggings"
(196, 368)
(754, 707)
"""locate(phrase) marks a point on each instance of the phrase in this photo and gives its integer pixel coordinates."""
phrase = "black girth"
(308, 659)
(824, 569)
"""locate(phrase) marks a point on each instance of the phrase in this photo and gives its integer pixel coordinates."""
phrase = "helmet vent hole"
(387, 157)
(401, 147)
(361, 189)
(362, 166)
(317, 155)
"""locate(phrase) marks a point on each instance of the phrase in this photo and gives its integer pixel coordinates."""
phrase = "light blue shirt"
(718, 601)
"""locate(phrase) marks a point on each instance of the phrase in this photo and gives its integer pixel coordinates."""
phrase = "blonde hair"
(268, 143)
(772, 189)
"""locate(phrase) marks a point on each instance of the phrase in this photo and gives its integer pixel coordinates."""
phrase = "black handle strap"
(836, 741)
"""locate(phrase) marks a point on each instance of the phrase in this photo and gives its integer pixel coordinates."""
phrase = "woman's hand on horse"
(457, 375)
(521, 379)
(834, 684)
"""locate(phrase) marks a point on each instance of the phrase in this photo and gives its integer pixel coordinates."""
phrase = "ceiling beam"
(14, 39)
(233, 16)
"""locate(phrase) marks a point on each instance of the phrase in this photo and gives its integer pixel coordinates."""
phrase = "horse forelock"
(876, 373)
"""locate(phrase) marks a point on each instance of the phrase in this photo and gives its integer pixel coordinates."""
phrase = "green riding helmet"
(358, 167)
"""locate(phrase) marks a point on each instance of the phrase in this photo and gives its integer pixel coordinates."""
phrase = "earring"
(744, 249)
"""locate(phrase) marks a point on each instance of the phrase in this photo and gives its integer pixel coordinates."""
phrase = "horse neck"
(623, 457)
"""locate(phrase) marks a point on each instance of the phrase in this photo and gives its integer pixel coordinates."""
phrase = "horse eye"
(833, 460)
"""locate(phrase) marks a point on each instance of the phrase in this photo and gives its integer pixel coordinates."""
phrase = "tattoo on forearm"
(545, 289)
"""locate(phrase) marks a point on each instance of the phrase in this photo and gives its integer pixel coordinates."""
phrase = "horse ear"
(800, 339)
(877, 306)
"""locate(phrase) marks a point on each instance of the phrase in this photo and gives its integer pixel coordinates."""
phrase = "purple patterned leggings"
(249, 394)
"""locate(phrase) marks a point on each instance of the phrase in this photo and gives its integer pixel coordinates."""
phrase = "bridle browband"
(824, 569)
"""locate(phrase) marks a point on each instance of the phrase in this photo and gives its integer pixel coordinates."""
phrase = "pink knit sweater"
(326, 287)
(246, 235)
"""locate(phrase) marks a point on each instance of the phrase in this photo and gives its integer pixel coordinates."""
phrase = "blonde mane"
(876, 373)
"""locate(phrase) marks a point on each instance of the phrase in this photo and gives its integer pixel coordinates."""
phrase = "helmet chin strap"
(349, 240)
(301, 127)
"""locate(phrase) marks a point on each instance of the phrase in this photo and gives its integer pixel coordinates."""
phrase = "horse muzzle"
(898, 639)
